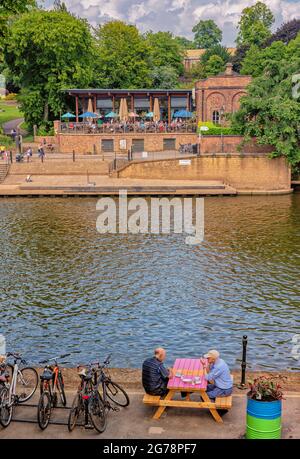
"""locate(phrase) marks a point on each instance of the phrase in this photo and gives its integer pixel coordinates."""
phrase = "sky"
(177, 16)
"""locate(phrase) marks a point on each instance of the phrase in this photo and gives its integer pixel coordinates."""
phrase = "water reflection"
(66, 287)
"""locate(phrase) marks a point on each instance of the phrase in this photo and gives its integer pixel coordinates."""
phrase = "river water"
(67, 288)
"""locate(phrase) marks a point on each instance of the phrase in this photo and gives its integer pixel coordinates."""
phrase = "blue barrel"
(263, 419)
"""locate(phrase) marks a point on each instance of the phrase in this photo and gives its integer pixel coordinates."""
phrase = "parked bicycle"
(17, 386)
(94, 396)
(82, 405)
(52, 384)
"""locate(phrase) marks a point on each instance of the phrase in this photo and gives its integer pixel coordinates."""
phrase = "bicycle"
(51, 382)
(87, 402)
(18, 387)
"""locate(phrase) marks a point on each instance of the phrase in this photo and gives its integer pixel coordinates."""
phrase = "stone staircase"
(4, 168)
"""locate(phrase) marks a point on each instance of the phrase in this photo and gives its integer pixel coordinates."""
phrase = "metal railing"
(127, 128)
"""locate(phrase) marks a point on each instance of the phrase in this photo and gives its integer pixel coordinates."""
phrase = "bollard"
(244, 363)
(11, 157)
(73, 154)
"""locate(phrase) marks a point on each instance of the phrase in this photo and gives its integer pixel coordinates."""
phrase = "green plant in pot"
(264, 407)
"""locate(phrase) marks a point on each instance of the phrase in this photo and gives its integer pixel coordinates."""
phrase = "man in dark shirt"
(155, 375)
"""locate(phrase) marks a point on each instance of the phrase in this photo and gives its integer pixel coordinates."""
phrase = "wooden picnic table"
(188, 377)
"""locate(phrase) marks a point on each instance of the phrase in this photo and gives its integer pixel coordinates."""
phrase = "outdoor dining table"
(188, 377)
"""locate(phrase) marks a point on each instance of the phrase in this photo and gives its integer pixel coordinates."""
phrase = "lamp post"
(222, 111)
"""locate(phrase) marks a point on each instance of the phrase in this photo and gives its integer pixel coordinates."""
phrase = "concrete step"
(3, 171)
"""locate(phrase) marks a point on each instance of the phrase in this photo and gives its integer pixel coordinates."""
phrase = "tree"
(217, 50)
(165, 51)
(207, 34)
(185, 43)
(239, 56)
(122, 57)
(285, 33)
(255, 24)
(214, 66)
(11, 8)
(256, 59)
(48, 51)
(58, 5)
(271, 110)
(164, 77)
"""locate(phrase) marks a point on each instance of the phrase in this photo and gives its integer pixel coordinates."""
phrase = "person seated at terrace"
(216, 370)
(155, 375)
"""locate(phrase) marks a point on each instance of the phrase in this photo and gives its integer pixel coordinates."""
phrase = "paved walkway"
(12, 124)
(136, 422)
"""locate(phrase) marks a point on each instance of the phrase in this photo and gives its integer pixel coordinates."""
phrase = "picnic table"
(188, 377)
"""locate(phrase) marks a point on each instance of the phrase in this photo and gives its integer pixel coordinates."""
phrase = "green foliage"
(269, 111)
(217, 50)
(164, 77)
(11, 8)
(185, 43)
(46, 53)
(197, 71)
(207, 34)
(11, 96)
(165, 51)
(255, 24)
(256, 59)
(122, 57)
(214, 65)
(6, 140)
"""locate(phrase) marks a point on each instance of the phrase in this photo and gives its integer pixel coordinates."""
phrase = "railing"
(130, 128)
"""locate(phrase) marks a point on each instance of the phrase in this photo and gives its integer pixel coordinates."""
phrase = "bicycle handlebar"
(54, 358)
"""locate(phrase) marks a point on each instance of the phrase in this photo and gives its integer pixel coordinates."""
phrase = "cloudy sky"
(178, 16)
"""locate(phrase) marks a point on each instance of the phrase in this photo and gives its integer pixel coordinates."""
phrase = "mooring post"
(73, 156)
(244, 363)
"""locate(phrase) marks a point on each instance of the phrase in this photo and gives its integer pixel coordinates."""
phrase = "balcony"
(127, 128)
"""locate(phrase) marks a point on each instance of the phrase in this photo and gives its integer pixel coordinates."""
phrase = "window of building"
(216, 117)
(107, 145)
(169, 144)
(137, 145)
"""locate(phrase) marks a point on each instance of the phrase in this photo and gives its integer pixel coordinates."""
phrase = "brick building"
(220, 94)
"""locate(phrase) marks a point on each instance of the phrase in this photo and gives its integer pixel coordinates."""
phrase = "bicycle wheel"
(97, 412)
(27, 382)
(61, 389)
(76, 410)
(6, 411)
(116, 394)
(44, 410)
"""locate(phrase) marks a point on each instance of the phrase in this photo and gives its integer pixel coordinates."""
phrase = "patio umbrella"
(149, 115)
(88, 115)
(68, 115)
(156, 110)
(182, 114)
(125, 110)
(111, 115)
(133, 115)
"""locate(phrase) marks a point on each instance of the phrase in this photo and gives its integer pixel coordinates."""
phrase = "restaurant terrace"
(132, 103)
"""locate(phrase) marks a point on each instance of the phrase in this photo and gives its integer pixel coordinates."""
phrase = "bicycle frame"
(13, 384)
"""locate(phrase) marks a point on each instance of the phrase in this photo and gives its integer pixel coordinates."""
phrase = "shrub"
(45, 129)
(11, 96)
(266, 389)
(6, 141)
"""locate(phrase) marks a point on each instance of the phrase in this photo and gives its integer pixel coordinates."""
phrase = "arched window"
(216, 117)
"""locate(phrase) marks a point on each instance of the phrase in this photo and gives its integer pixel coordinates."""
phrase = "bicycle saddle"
(46, 375)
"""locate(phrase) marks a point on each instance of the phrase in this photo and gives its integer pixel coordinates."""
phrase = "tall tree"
(256, 59)
(217, 50)
(271, 110)
(285, 33)
(185, 43)
(207, 34)
(48, 51)
(122, 56)
(165, 51)
(11, 8)
(164, 77)
(214, 66)
(255, 24)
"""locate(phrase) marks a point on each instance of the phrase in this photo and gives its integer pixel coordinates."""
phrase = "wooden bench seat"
(151, 399)
(224, 403)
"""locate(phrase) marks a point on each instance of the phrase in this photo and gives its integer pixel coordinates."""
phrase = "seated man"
(155, 375)
(217, 371)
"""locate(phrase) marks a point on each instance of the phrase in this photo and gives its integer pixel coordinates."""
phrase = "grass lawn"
(10, 112)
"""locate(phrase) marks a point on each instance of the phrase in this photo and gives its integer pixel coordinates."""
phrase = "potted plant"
(264, 408)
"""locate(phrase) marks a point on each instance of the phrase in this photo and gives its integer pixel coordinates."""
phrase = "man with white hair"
(216, 370)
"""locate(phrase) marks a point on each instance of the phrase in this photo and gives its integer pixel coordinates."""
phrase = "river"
(66, 288)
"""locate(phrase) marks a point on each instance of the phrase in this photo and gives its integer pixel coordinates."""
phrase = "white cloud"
(179, 16)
